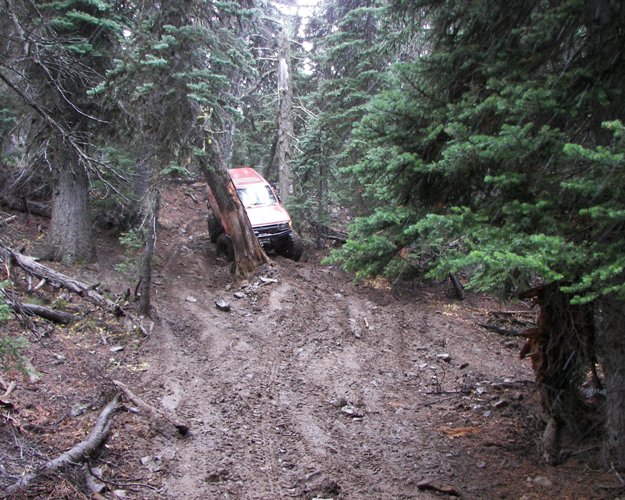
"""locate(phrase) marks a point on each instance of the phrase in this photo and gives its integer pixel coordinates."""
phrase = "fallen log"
(61, 317)
(30, 207)
(326, 232)
(7, 220)
(33, 267)
(162, 420)
(503, 331)
(77, 454)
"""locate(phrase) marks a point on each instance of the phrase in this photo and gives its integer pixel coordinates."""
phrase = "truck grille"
(272, 230)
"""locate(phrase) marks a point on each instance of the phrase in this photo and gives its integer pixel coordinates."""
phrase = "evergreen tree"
(181, 82)
(465, 161)
(56, 52)
(348, 61)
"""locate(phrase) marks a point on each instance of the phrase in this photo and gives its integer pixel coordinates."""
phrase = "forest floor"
(310, 386)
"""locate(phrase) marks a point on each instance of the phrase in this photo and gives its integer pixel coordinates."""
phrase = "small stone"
(487, 414)
(542, 481)
(191, 299)
(500, 404)
(481, 465)
(222, 305)
(59, 359)
(117, 348)
(444, 357)
(238, 295)
(351, 411)
(151, 463)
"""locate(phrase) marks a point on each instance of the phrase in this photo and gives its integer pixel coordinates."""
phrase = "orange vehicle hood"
(264, 216)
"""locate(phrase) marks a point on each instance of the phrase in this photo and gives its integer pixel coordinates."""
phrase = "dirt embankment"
(310, 386)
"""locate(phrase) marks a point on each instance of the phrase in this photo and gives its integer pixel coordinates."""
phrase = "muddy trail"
(311, 386)
(307, 385)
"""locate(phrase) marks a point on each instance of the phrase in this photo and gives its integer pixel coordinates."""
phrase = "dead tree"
(285, 119)
(145, 284)
(77, 454)
(42, 311)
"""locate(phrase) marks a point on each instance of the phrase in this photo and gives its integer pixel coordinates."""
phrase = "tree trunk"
(153, 207)
(70, 235)
(322, 199)
(611, 340)
(248, 254)
(285, 119)
(562, 350)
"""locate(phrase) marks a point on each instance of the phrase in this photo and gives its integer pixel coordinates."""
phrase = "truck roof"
(245, 175)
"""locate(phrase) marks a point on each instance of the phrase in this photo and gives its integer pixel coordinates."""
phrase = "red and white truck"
(270, 220)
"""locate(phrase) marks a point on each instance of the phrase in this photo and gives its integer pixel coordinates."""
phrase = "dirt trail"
(313, 387)
(310, 386)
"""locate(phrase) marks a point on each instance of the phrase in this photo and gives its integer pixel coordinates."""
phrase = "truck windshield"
(256, 196)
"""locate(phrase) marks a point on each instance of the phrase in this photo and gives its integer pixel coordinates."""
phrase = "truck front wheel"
(293, 247)
(225, 247)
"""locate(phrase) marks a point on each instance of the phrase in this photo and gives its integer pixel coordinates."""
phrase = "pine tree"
(182, 82)
(465, 159)
(348, 60)
(56, 53)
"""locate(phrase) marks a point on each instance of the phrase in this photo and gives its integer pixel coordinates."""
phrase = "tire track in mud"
(340, 348)
(238, 420)
(333, 369)
(314, 387)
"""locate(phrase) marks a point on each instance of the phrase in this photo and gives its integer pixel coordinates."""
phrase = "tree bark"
(562, 350)
(611, 341)
(285, 119)
(70, 235)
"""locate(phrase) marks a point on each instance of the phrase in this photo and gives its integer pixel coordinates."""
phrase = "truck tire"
(215, 229)
(225, 247)
(293, 248)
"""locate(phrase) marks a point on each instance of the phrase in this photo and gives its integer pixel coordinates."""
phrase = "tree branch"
(77, 454)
